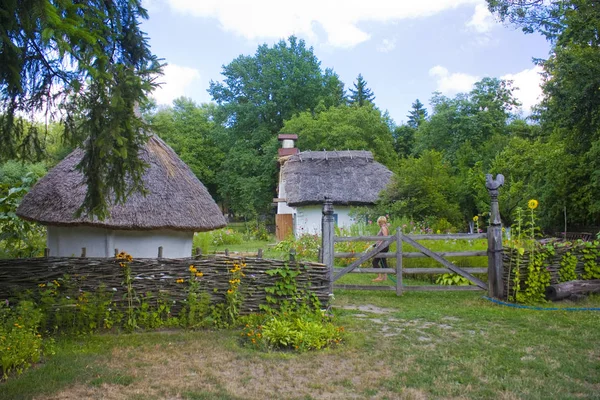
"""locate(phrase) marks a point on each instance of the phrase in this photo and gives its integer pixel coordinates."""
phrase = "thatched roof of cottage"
(347, 177)
(176, 199)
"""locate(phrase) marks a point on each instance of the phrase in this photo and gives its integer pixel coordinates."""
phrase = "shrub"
(20, 341)
(226, 236)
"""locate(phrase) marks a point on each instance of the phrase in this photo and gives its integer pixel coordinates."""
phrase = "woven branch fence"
(512, 259)
(159, 276)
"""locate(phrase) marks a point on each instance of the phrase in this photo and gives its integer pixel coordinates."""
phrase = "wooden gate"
(399, 256)
(284, 225)
(494, 253)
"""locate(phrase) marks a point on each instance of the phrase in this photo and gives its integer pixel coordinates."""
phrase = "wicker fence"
(160, 276)
(513, 261)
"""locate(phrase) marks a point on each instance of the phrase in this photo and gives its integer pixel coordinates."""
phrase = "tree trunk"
(566, 289)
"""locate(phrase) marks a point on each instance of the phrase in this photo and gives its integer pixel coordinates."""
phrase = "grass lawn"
(419, 346)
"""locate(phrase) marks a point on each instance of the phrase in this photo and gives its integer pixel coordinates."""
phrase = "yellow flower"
(193, 269)
(532, 204)
(180, 280)
(199, 274)
(56, 283)
(229, 291)
(476, 218)
(42, 285)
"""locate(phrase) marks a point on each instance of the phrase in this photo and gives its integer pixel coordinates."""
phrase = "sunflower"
(532, 204)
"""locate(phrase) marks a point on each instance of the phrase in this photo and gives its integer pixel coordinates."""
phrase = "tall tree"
(89, 61)
(417, 114)
(257, 95)
(344, 127)
(570, 110)
(361, 94)
(189, 129)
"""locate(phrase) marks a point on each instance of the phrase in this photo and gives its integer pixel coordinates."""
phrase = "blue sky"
(405, 49)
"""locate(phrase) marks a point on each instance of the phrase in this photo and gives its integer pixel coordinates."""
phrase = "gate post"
(495, 267)
(327, 233)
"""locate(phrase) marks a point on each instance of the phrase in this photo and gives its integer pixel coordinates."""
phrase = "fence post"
(327, 234)
(292, 255)
(83, 252)
(398, 261)
(198, 252)
(46, 252)
(160, 252)
(495, 267)
(259, 255)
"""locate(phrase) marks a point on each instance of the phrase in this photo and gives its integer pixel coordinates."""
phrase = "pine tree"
(361, 94)
(417, 114)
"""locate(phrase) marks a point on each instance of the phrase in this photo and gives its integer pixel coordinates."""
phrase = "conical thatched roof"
(176, 199)
(347, 177)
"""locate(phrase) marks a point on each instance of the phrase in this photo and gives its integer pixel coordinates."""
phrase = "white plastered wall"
(68, 241)
(308, 219)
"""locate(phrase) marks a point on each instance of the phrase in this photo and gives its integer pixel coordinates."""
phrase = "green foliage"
(92, 61)
(591, 256)
(452, 280)
(18, 238)
(361, 95)
(567, 267)
(193, 135)
(225, 236)
(417, 115)
(423, 187)
(345, 127)
(306, 246)
(292, 319)
(257, 95)
(196, 310)
(20, 342)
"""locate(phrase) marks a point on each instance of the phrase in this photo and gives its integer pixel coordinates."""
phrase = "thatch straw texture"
(347, 177)
(176, 199)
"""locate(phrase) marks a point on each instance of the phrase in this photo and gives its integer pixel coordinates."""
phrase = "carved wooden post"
(327, 233)
(495, 268)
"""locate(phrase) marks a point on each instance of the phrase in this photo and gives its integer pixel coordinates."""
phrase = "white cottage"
(349, 178)
(177, 205)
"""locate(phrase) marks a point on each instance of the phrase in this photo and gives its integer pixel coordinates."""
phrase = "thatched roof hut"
(347, 177)
(176, 201)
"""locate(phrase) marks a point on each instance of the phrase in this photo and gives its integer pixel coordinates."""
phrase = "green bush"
(299, 330)
(20, 342)
(226, 236)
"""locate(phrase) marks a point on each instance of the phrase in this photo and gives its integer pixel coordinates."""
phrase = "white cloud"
(175, 83)
(482, 20)
(340, 21)
(528, 82)
(386, 45)
(452, 83)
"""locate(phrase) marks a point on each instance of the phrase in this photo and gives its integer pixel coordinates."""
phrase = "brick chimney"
(288, 144)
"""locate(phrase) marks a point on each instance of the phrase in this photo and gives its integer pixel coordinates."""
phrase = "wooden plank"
(340, 239)
(365, 287)
(365, 257)
(442, 270)
(454, 236)
(284, 224)
(373, 271)
(477, 253)
(398, 262)
(410, 288)
(444, 262)
(413, 271)
(441, 288)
